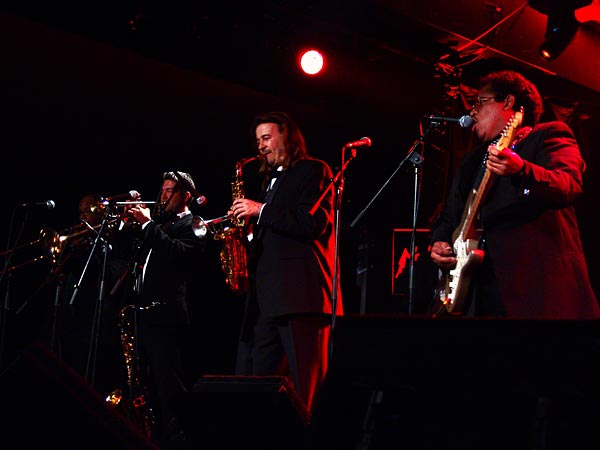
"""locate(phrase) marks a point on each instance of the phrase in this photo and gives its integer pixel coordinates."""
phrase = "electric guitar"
(455, 283)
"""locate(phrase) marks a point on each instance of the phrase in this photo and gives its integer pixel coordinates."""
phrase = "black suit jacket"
(530, 227)
(174, 252)
(294, 250)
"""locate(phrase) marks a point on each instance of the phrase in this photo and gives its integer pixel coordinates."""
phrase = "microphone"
(362, 142)
(131, 195)
(465, 121)
(201, 200)
(48, 204)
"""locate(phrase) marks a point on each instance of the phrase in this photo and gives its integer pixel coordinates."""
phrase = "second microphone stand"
(416, 159)
(337, 182)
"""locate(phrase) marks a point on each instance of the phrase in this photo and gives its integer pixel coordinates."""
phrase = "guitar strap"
(523, 133)
(520, 137)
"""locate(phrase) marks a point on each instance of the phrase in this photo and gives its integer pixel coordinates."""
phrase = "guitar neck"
(467, 228)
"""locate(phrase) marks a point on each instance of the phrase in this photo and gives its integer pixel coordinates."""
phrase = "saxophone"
(234, 261)
(138, 410)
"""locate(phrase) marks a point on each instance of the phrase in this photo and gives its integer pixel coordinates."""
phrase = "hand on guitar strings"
(443, 255)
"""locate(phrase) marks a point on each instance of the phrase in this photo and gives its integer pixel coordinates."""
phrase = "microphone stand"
(7, 272)
(94, 337)
(416, 159)
(338, 182)
(4, 318)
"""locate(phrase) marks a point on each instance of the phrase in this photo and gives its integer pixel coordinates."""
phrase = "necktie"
(275, 172)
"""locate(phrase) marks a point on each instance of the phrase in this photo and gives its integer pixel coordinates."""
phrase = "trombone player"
(88, 331)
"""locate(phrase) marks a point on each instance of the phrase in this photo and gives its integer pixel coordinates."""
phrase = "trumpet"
(137, 202)
(130, 220)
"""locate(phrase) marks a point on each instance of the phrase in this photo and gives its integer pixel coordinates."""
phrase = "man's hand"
(442, 254)
(503, 162)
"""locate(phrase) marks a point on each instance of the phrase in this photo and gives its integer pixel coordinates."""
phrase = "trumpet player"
(292, 252)
(166, 252)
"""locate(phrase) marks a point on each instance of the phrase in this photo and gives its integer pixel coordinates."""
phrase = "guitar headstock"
(508, 132)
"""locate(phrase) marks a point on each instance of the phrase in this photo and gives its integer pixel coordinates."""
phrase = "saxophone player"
(289, 306)
(163, 260)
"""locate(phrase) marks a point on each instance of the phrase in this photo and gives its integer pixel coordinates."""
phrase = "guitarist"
(533, 264)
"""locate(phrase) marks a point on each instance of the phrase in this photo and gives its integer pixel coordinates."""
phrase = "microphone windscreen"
(465, 121)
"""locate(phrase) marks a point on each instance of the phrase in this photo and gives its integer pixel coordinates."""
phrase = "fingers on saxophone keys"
(231, 214)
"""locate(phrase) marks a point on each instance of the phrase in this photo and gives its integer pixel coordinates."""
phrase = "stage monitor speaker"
(234, 412)
(45, 403)
(398, 382)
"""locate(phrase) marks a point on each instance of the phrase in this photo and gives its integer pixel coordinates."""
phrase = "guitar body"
(456, 282)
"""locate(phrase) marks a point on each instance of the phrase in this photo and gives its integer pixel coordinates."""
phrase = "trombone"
(53, 243)
(47, 238)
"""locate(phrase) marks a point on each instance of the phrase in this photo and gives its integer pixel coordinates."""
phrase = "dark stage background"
(84, 111)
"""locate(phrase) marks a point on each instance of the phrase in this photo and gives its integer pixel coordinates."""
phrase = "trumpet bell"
(215, 226)
(199, 226)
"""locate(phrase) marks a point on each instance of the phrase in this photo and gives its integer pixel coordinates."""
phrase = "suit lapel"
(271, 192)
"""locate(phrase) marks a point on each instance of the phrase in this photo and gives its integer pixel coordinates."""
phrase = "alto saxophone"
(233, 256)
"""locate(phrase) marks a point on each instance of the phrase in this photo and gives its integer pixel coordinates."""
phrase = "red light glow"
(311, 62)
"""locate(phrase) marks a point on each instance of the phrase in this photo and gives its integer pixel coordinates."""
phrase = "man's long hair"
(295, 145)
